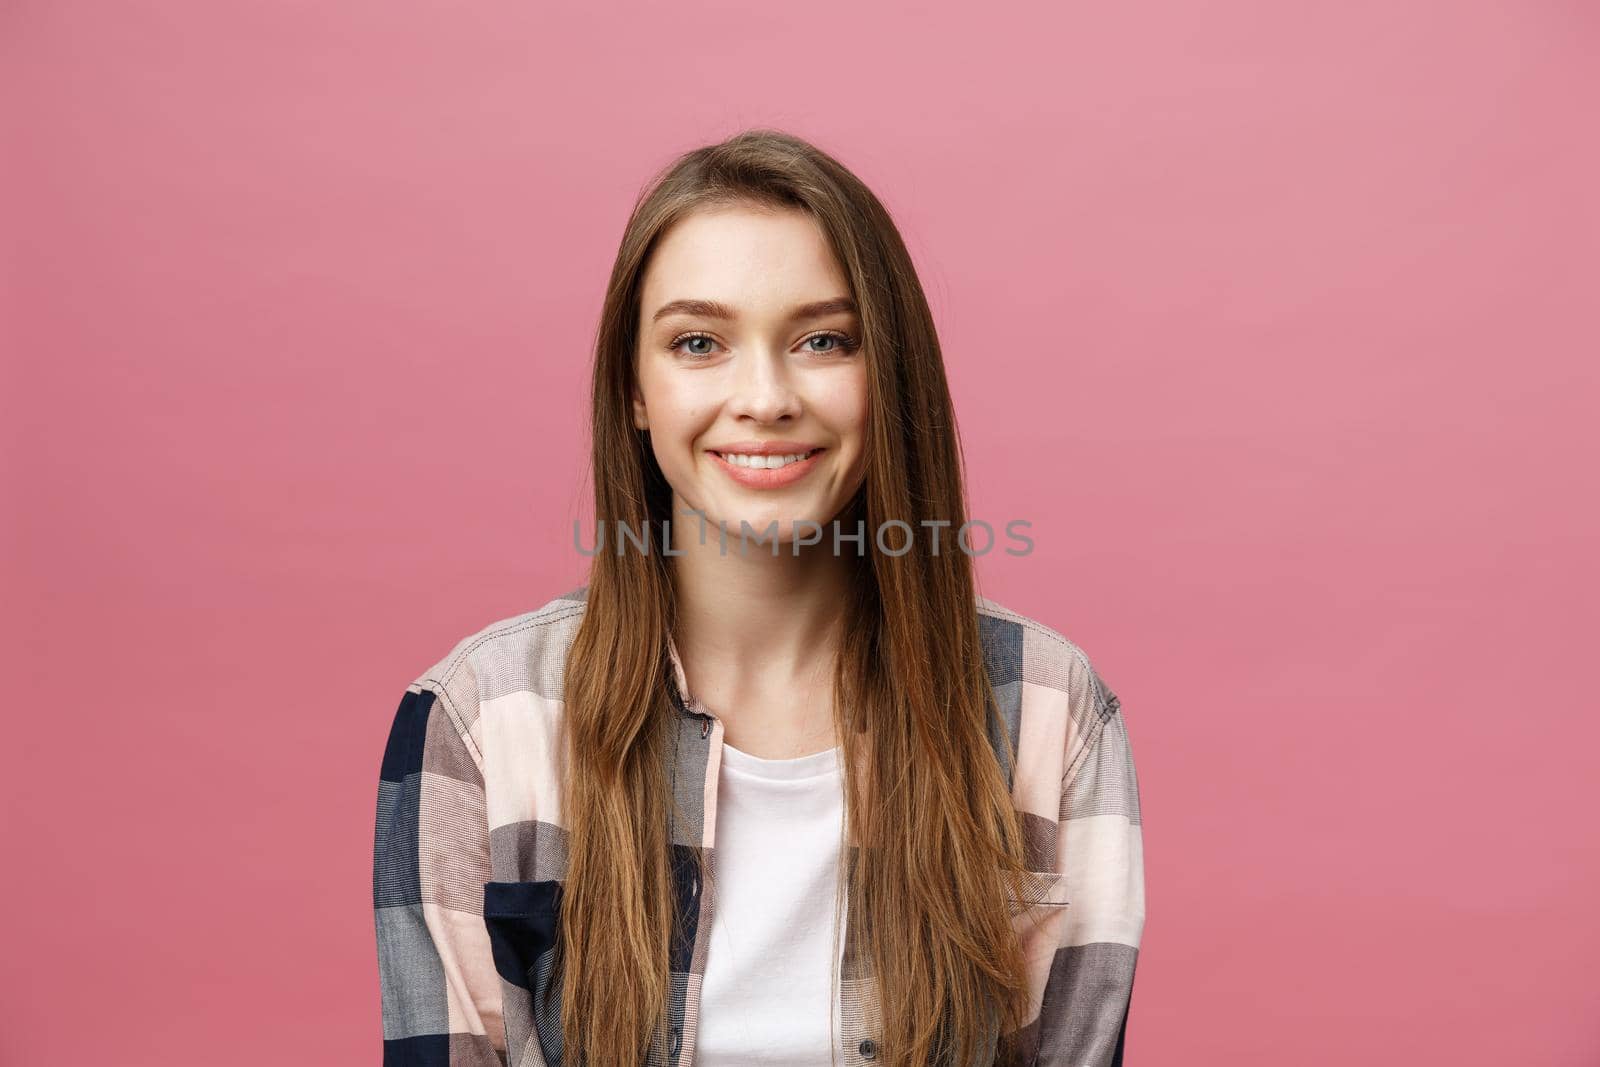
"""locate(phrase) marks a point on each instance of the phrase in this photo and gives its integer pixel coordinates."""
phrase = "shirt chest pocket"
(1038, 913)
(1040, 889)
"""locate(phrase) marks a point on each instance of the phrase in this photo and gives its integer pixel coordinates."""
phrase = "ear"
(641, 417)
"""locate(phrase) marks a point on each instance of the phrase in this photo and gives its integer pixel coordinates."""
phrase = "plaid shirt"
(470, 852)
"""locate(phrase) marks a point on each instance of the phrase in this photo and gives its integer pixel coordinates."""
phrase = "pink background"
(1276, 319)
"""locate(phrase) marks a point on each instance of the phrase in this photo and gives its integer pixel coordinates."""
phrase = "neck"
(749, 620)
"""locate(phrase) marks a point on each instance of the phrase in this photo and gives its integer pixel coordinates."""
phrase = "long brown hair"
(941, 851)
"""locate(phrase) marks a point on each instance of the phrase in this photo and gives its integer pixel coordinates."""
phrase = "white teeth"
(739, 459)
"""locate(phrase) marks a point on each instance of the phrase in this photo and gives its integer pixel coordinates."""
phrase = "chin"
(788, 528)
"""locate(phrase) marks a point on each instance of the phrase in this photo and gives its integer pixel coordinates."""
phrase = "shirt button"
(868, 1049)
(677, 1039)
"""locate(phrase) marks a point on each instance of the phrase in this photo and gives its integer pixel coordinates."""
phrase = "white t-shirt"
(765, 995)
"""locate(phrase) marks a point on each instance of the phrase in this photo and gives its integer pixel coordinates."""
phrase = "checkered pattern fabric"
(470, 852)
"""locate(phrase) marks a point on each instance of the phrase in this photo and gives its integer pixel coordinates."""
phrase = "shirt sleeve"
(441, 996)
(1084, 1016)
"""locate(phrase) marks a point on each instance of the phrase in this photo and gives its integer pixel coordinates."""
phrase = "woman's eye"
(699, 345)
(693, 339)
(841, 342)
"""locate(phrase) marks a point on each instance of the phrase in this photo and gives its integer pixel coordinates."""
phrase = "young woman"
(775, 786)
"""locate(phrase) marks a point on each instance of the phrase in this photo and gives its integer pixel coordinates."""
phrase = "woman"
(799, 797)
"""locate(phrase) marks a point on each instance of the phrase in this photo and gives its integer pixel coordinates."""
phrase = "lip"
(768, 479)
(766, 448)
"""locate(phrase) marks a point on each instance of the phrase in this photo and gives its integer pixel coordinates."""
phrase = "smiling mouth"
(769, 463)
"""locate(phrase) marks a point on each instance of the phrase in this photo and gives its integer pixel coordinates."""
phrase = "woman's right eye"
(697, 353)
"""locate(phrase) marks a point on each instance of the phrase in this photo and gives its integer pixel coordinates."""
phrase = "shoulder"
(522, 652)
(1023, 649)
(1057, 708)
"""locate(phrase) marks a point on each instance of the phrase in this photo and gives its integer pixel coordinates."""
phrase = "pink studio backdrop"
(1276, 320)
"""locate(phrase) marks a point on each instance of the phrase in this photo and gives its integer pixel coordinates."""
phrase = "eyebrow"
(711, 309)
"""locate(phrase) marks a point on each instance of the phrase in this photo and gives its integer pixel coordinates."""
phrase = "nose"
(762, 389)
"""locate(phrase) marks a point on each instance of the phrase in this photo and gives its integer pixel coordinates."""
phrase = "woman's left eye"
(843, 342)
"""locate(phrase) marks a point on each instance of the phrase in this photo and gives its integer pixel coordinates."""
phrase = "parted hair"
(940, 846)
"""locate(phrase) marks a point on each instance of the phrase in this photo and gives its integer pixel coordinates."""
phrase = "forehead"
(752, 258)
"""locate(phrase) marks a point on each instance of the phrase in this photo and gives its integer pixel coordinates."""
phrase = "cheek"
(843, 404)
(676, 407)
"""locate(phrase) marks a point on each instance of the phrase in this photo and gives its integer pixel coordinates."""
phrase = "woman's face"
(749, 355)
